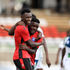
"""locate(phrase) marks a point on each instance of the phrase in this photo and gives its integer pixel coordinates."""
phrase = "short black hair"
(35, 20)
(25, 10)
(33, 16)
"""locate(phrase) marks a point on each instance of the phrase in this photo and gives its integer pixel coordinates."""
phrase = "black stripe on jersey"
(27, 64)
(20, 53)
(22, 40)
(18, 64)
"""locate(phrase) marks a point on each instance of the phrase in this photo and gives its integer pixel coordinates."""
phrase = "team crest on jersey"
(33, 39)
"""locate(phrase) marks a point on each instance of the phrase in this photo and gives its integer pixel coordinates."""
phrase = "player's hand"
(39, 36)
(2, 27)
(61, 64)
(48, 63)
(24, 47)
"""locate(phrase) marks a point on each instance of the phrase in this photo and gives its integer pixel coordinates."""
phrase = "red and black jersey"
(21, 32)
(33, 38)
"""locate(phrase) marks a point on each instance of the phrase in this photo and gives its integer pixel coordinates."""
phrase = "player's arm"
(45, 46)
(63, 53)
(39, 36)
(57, 57)
(26, 37)
(11, 31)
(4, 28)
(33, 44)
(46, 52)
(26, 48)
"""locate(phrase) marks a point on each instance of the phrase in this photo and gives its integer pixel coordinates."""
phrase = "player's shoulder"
(21, 28)
(20, 22)
(66, 38)
(37, 33)
(39, 29)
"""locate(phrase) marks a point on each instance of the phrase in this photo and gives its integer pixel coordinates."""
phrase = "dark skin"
(31, 51)
(63, 53)
(33, 29)
(24, 47)
(26, 20)
(57, 58)
(64, 50)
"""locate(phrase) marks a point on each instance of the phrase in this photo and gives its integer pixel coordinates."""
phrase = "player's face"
(33, 27)
(27, 17)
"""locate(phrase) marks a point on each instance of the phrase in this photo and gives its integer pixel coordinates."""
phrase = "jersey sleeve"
(24, 33)
(61, 45)
(39, 29)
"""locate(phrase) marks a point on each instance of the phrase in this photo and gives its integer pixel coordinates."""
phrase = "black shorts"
(23, 64)
(19, 69)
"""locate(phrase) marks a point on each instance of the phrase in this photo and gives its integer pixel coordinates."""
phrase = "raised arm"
(4, 28)
(11, 31)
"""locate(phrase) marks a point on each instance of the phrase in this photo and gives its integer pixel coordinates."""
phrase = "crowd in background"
(15, 7)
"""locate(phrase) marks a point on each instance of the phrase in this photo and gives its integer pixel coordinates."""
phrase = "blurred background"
(54, 18)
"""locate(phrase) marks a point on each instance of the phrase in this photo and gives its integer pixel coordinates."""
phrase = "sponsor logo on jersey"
(33, 39)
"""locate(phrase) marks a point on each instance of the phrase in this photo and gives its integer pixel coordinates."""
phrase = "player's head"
(26, 16)
(68, 32)
(34, 26)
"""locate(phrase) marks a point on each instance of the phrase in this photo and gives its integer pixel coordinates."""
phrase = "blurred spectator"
(68, 5)
(4, 11)
(58, 7)
(25, 5)
(37, 4)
